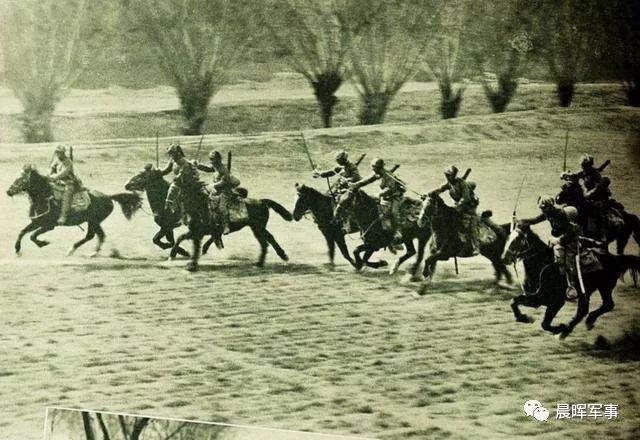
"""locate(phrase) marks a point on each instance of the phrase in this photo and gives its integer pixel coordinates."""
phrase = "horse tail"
(277, 207)
(630, 264)
(634, 223)
(129, 202)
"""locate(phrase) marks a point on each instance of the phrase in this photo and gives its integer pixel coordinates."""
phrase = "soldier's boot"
(67, 199)
(170, 202)
(571, 276)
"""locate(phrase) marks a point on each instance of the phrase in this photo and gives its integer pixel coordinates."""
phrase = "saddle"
(80, 200)
(235, 207)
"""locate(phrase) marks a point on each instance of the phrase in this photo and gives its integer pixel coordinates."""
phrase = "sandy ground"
(117, 99)
(296, 345)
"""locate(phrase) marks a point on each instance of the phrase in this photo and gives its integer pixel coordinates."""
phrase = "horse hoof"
(285, 257)
(415, 278)
(171, 258)
(43, 243)
(259, 265)
(192, 267)
(525, 319)
(95, 254)
(393, 269)
(422, 290)
(383, 263)
(71, 251)
(590, 325)
(18, 253)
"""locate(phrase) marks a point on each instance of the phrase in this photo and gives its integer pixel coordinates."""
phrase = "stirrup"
(571, 293)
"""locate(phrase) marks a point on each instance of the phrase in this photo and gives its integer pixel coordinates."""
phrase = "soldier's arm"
(440, 190)
(604, 165)
(329, 173)
(535, 220)
(366, 181)
(64, 170)
(205, 168)
(167, 169)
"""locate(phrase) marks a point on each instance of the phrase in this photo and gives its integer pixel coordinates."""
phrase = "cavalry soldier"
(571, 189)
(466, 202)
(181, 168)
(565, 238)
(606, 210)
(590, 174)
(62, 171)
(224, 185)
(346, 171)
(390, 196)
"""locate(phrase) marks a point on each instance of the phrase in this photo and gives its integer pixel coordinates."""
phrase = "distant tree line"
(378, 45)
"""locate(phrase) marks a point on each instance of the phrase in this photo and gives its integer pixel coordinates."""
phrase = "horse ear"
(148, 167)
(297, 185)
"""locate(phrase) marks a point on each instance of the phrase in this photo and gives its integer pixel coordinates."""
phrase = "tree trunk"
(325, 87)
(499, 99)
(632, 88)
(565, 88)
(36, 118)
(194, 101)
(374, 107)
(449, 101)
(88, 429)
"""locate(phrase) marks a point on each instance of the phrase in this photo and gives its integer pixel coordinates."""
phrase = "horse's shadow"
(624, 348)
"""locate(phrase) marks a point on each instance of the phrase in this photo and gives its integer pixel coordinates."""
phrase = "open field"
(296, 345)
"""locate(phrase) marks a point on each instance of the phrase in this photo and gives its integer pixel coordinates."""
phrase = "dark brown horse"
(445, 242)
(202, 221)
(45, 209)
(544, 284)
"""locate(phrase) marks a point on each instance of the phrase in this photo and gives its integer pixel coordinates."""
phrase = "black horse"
(151, 181)
(321, 208)
(445, 242)
(364, 210)
(572, 194)
(545, 285)
(202, 220)
(45, 209)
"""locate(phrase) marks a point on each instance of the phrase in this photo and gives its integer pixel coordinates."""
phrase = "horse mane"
(37, 177)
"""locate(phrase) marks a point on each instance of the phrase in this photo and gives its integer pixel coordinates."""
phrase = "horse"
(202, 220)
(545, 285)
(150, 181)
(364, 210)
(445, 242)
(45, 209)
(571, 194)
(321, 208)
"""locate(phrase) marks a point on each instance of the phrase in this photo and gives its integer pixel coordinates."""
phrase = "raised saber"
(566, 144)
(229, 160)
(515, 208)
(313, 166)
(157, 151)
(199, 148)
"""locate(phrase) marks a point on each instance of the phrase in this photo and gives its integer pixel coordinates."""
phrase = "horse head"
(517, 243)
(23, 182)
(430, 204)
(301, 206)
(140, 181)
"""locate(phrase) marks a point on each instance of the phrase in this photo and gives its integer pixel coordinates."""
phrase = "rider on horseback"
(466, 202)
(224, 185)
(346, 171)
(565, 241)
(181, 168)
(390, 196)
(590, 175)
(62, 171)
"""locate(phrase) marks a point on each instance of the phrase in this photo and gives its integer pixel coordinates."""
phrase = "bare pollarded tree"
(497, 38)
(196, 42)
(388, 52)
(442, 55)
(43, 55)
(317, 35)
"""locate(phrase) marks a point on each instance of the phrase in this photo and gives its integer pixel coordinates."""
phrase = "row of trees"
(377, 44)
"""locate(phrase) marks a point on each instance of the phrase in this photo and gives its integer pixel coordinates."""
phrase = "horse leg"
(581, 312)
(430, 265)
(276, 246)
(342, 246)
(356, 254)
(38, 232)
(549, 314)
(174, 250)
(262, 239)
(414, 268)
(172, 242)
(607, 306)
(207, 244)
(30, 227)
(410, 252)
(331, 246)
(90, 234)
(157, 239)
(622, 240)
(101, 235)
(527, 301)
(192, 265)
